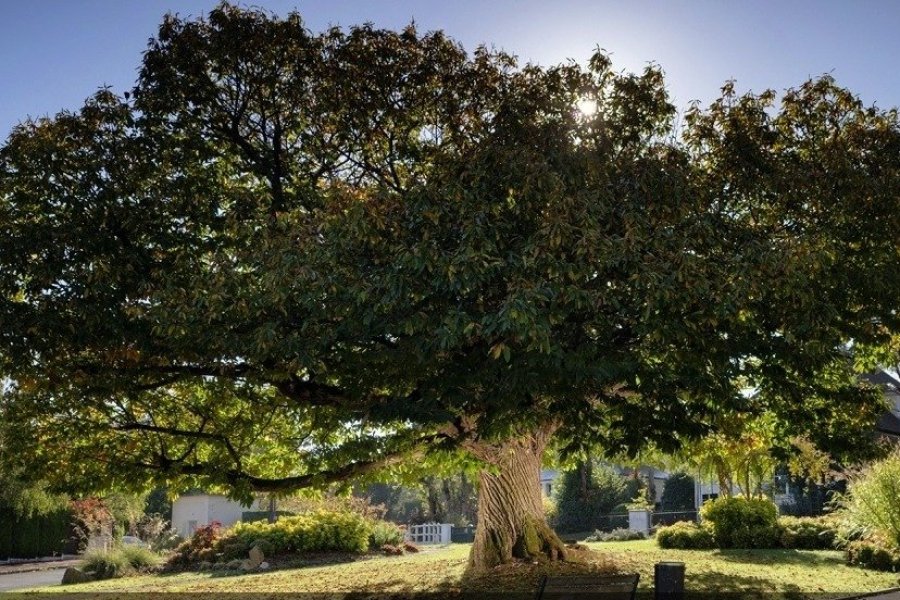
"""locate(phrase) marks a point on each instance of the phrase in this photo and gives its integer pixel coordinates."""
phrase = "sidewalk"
(40, 564)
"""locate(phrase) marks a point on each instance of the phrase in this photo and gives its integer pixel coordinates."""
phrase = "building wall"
(189, 513)
(225, 511)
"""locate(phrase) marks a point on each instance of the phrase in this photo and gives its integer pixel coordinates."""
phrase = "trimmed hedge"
(320, 531)
(807, 533)
(685, 535)
(742, 522)
(32, 537)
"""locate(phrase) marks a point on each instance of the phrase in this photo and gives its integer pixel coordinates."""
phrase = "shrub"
(870, 505)
(550, 512)
(118, 562)
(140, 559)
(873, 554)
(385, 533)
(738, 522)
(678, 493)
(320, 531)
(616, 535)
(105, 564)
(201, 547)
(807, 533)
(685, 535)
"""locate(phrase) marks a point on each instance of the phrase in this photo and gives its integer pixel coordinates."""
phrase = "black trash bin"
(668, 581)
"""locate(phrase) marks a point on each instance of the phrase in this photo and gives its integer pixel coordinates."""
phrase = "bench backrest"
(588, 587)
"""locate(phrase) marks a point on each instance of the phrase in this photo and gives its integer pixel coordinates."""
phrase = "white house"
(888, 424)
(192, 511)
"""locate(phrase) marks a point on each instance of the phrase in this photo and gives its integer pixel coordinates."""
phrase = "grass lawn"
(751, 573)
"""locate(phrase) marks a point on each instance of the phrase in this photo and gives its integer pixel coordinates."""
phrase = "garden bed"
(794, 574)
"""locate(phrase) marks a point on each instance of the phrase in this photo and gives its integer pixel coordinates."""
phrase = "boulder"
(73, 575)
(256, 555)
(255, 560)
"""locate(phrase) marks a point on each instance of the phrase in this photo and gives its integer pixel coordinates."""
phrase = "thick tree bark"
(511, 523)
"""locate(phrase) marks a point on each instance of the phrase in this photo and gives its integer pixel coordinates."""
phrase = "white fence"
(429, 533)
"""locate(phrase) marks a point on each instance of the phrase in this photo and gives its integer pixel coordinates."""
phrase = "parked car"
(133, 540)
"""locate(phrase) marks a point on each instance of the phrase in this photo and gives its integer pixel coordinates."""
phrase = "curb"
(37, 566)
(892, 590)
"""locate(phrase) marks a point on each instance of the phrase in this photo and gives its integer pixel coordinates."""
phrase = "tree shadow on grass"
(708, 585)
(779, 557)
(279, 563)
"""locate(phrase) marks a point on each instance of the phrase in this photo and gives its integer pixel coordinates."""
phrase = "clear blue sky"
(54, 53)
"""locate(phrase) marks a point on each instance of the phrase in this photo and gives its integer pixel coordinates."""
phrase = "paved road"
(14, 581)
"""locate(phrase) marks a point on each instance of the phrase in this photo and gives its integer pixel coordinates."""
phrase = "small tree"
(678, 493)
(585, 497)
(871, 503)
(90, 518)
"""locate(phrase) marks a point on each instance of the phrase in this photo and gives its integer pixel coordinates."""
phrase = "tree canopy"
(288, 258)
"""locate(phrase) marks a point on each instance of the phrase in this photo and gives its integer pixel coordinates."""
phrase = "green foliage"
(550, 511)
(678, 493)
(873, 554)
(444, 499)
(616, 535)
(320, 531)
(126, 510)
(685, 535)
(385, 532)
(248, 516)
(739, 522)
(158, 503)
(870, 505)
(35, 536)
(585, 496)
(808, 533)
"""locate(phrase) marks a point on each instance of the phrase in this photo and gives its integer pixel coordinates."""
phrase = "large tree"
(288, 259)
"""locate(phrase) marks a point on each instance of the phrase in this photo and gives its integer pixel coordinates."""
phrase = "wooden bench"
(588, 587)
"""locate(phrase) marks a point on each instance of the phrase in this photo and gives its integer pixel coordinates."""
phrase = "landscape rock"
(255, 560)
(73, 575)
(256, 555)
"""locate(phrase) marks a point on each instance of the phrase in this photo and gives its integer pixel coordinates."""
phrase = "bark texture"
(511, 523)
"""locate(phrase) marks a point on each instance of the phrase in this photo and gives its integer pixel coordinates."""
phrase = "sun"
(586, 107)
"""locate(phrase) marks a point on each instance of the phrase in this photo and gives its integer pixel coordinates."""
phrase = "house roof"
(883, 378)
(888, 423)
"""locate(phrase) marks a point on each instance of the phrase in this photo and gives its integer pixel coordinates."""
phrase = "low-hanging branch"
(239, 477)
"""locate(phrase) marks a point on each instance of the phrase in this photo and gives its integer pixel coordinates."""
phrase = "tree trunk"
(511, 523)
